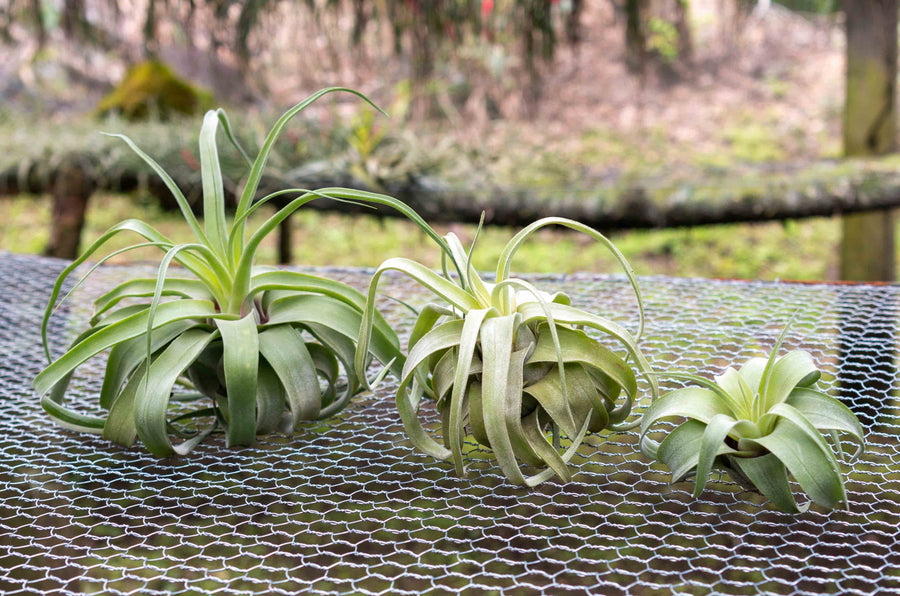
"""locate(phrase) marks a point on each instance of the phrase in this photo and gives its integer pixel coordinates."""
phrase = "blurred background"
(714, 138)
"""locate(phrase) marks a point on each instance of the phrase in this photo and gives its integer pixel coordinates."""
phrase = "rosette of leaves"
(758, 424)
(510, 365)
(259, 349)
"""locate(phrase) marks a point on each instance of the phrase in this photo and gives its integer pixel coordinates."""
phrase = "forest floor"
(766, 94)
(764, 91)
(761, 88)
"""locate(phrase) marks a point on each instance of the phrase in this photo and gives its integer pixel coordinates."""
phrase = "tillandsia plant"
(757, 424)
(258, 349)
(509, 364)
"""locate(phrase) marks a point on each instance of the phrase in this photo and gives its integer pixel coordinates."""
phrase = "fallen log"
(816, 190)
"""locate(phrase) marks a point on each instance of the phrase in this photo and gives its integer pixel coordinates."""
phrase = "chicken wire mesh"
(347, 506)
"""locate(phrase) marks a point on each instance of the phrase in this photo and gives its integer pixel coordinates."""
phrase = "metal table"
(347, 506)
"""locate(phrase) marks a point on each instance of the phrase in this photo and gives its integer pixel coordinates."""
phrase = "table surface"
(347, 506)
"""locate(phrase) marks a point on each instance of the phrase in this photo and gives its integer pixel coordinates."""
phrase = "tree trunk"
(72, 188)
(360, 20)
(5, 24)
(37, 14)
(870, 128)
(531, 91)
(683, 27)
(574, 34)
(73, 19)
(422, 62)
(150, 44)
(635, 41)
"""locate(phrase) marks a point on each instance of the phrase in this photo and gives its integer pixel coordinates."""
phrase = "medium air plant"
(509, 364)
(757, 424)
(258, 349)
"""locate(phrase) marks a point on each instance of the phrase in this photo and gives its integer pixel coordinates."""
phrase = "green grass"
(802, 250)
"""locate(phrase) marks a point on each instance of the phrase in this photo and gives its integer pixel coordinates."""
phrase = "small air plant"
(259, 349)
(509, 364)
(757, 424)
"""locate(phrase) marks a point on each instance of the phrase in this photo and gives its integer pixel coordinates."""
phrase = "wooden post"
(73, 185)
(285, 242)
(870, 128)
(867, 340)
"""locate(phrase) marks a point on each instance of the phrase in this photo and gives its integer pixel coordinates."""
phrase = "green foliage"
(758, 424)
(151, 88)
(364, 138)
(364, 134)
(259, 349)
(663, 39)
(510, 362)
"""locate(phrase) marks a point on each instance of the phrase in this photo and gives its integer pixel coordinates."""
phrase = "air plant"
(511, 365)
(758, 424)
(258, 349)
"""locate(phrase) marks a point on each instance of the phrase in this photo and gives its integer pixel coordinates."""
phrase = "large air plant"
(509, 364)
(259, 349)
(757, 424)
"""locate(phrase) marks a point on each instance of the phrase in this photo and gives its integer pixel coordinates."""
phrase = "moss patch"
(151, 88)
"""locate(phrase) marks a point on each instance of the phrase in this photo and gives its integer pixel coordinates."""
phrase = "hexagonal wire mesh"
(347, 506)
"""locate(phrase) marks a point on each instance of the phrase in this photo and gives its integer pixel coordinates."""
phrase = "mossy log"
(822, 189)
(851, 188)
(816, 190)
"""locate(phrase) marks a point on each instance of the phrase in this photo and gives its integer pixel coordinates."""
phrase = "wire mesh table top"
(347, 506)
